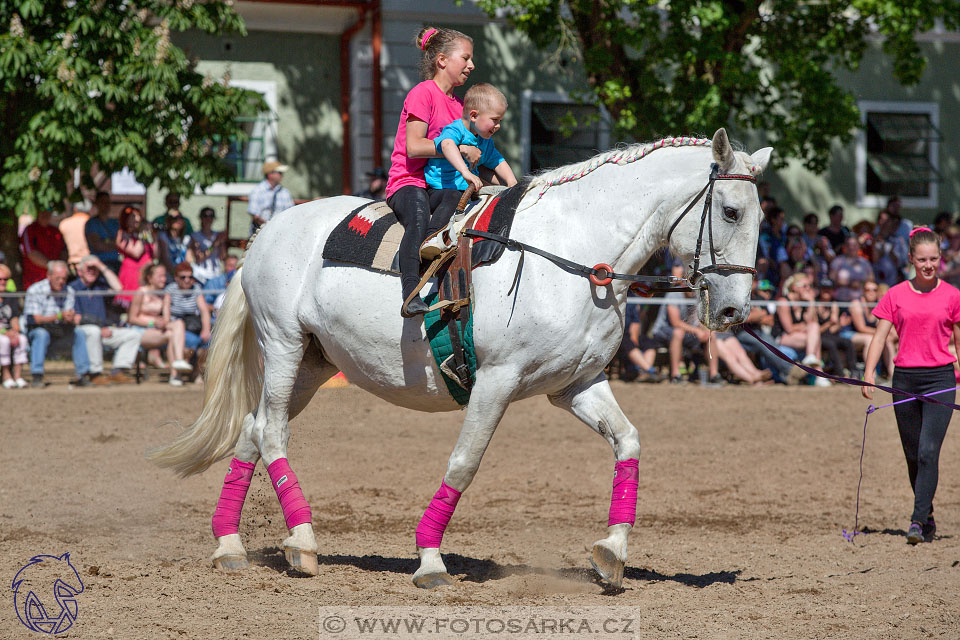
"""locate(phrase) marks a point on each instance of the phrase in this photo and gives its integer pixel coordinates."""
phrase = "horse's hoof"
(433, 580)
(606, 563)
(230, 563)
(302, 561)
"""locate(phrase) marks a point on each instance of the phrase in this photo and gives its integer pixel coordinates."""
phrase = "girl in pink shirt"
(925, 312)
(430, 106)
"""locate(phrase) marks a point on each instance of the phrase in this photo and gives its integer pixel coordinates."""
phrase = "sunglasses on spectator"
(870, 289)
(3, 278)
(185, 277)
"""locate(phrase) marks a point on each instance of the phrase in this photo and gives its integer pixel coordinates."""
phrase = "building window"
(897, 154)
(557, 130)
(246, 158)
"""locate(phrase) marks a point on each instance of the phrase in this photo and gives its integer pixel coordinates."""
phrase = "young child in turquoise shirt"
(483, 108)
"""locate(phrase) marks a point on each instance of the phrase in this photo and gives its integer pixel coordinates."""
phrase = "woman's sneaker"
(176, 382)
(182, 365)
(915, 533)
(9, 384)
(929, 530)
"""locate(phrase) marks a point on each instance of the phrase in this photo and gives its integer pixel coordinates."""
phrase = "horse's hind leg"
(488, 401)
(271, 432)
(230, 554)
(594, 404)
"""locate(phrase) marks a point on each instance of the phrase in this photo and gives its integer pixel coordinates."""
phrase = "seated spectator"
(40, 243)
(101, 231)
(835, 232)
(857, 266)
(950, 263)
(207, 248)
(172, 243)
(135, 245)
(150, 314)
(671, 329)
(841, 354)
(49, 316)
(377, 186)
(772, 241)
(637, 352)
(762, 319)
(799, 328)
(73, 230)
(189, 306)
(863, 324)
(890, 251)
(797, 260)
(171, 204)
(94, 319)
(221, 281)
(941, 223)
(13, 344)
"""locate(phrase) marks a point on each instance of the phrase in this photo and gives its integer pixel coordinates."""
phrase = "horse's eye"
(730, 214)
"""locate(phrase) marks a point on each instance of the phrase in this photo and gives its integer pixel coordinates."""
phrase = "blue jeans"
(192, 341)
(40, 342)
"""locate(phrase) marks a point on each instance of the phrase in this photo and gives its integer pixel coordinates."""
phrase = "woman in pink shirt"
(925, 312)
(134, 244)
(430, 106)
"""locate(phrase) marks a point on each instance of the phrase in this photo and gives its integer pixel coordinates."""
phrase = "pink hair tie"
(920, 229)
(426, 38)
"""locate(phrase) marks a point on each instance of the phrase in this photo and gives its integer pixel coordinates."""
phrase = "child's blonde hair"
(483, 96)
(433, 42)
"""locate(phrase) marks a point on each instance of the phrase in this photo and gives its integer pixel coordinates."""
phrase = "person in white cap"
(269, 197)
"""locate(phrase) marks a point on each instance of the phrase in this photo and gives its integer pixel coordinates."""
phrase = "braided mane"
(622, 156)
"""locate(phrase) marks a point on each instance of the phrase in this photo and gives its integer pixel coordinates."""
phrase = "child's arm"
(452, 153)
(505, 174)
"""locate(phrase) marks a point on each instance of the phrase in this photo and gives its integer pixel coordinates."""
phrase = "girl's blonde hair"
(921, 235)
(437, 41)
(794, 279)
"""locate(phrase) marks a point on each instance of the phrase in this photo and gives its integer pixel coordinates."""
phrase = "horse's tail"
(233, 382)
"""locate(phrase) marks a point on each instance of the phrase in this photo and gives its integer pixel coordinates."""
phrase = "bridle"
(603, 274)
(706, 220)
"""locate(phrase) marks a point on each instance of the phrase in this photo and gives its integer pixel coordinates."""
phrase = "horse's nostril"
(730, 314)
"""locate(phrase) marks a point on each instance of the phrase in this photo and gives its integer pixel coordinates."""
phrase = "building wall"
(306, 70)
(800, 191)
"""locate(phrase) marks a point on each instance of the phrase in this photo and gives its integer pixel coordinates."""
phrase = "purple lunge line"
(932, 393)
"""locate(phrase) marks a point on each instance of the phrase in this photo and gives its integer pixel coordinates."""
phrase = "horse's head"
(726, 236)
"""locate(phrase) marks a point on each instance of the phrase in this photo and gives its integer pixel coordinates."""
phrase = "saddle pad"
(438, 333)
(370, 236)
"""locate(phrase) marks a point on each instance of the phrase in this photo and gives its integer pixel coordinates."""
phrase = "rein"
(603, 274)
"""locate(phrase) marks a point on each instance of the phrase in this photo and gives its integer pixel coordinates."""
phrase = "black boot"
(416, 306)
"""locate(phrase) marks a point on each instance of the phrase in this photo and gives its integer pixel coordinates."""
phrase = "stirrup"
(438, 262)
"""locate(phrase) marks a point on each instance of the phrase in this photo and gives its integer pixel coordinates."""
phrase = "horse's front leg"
(488, 400)
(593, 402)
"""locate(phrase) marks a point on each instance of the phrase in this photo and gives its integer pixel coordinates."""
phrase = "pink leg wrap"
(623, 502)
(226, 517)
(437, 516)
(296, 510)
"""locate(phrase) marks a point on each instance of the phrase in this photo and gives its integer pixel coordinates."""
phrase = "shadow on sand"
(483, 570)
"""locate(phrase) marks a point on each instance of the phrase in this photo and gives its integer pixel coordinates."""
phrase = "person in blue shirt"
(449, 176)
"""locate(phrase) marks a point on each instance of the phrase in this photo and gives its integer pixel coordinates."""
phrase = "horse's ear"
(722, 151)
(759, 160)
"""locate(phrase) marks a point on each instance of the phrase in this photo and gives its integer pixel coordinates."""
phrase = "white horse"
(291, 320)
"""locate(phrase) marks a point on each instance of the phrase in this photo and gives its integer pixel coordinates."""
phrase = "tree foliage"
(90, 84)
(675, 66)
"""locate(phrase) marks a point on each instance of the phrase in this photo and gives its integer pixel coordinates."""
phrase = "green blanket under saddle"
(438, 333)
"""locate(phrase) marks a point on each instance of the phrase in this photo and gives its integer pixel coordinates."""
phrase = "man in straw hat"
(269, 197)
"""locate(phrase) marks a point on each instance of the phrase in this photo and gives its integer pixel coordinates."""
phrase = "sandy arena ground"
(743, 495)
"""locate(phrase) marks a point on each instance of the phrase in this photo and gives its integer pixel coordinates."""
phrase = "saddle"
(370, 237)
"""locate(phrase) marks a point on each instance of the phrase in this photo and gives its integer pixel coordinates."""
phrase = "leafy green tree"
(674, 66)
(97, 84)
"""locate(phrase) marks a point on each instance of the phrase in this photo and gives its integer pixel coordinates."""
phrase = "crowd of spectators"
(813, 298)
(98, 281)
